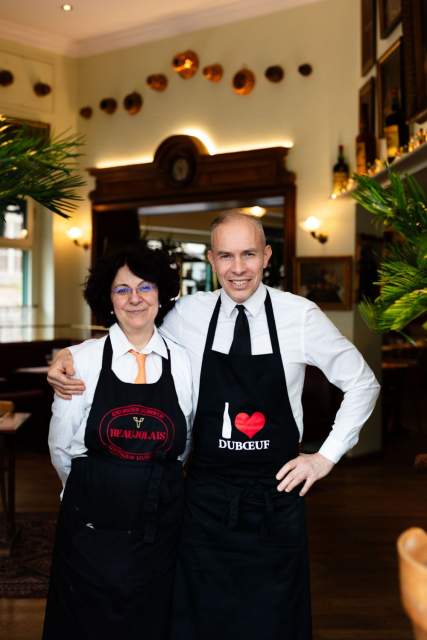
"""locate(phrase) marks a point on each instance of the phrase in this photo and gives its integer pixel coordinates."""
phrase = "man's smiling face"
(238, 256)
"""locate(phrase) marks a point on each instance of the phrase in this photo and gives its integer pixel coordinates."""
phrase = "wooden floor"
(355, 516)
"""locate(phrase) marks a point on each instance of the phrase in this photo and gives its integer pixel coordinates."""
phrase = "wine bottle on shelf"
(341, 173)
(366, 144)
(395, 128)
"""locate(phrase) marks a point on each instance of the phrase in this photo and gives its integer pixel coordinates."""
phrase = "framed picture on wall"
(414, 26)
(327, 281)
(390, 16)
(369, 34)
(367, 104)
(389, 79)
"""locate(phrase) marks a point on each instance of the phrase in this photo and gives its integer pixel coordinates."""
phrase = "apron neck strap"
(270, 321)
(166, 361)
(271, 324)
(107, 356)
(212, 325)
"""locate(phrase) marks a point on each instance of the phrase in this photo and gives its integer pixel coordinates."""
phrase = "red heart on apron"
(250, 425)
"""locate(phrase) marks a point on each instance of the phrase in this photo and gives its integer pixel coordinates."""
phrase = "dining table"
(10, 423)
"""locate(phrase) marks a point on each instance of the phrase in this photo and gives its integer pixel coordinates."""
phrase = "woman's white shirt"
(69, 417)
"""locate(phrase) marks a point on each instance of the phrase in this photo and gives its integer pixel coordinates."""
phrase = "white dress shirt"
(306, 336)
(69, 417)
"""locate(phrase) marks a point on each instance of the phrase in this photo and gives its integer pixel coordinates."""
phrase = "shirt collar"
(253, 304)
(121, 344)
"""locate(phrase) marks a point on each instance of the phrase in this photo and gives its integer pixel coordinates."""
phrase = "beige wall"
(314, 114)
(57, 264)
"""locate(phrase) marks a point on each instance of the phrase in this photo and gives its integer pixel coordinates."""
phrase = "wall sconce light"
(74, 233)
(311, 224)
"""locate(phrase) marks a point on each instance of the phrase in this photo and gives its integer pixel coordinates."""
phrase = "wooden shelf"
(411, 163)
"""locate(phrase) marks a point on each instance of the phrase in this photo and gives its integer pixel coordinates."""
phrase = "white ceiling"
(95, 26)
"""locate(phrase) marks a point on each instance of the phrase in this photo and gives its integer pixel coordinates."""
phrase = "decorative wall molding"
(167, 27)
(34, 38)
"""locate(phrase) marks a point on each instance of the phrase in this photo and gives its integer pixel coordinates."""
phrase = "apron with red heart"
(242, 565)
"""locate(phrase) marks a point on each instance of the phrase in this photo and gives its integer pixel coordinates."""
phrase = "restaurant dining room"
(148, 148)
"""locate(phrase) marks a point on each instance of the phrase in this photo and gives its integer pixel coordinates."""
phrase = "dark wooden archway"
(183, 171)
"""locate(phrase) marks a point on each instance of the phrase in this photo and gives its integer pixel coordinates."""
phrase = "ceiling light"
(66, 7)
(257, 212)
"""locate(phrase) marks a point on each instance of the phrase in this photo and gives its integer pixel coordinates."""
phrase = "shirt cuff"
(333, 449)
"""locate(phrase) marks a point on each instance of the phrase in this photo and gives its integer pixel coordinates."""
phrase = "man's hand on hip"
(60, 374)
(307, 468)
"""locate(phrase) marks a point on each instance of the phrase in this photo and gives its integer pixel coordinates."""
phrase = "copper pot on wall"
(157, 81)
(305, 69)
(108, 105)
(42, 89)
(213, 72)
(6, 78)
(275, 73)
(243, 82)
(133, 103)
(86, 112)
(186, 64)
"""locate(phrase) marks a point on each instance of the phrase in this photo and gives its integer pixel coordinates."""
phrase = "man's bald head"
(235, 216)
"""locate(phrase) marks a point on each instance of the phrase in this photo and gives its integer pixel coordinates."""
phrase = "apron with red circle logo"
(242, 568)
(115, 552)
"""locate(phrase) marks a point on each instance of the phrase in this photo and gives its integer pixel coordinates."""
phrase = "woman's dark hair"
(153, 265)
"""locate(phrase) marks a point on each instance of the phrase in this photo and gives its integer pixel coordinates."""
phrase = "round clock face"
(181, 170)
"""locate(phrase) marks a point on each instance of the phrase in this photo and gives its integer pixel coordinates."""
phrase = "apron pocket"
(100, 559)
(285, 524)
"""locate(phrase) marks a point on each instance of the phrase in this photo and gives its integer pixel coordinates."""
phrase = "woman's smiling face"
(137, 310)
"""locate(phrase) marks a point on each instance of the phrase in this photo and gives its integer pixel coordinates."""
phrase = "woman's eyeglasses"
(124, 291)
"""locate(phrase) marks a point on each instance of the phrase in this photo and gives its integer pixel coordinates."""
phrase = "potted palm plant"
(400, 206)
(38, 167)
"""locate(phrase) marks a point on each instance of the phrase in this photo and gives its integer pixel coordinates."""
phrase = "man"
(243, 568)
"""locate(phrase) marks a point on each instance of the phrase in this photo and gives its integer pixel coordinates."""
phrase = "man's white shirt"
(306, 337)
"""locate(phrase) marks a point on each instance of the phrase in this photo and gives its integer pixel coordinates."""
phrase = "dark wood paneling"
(242, 175)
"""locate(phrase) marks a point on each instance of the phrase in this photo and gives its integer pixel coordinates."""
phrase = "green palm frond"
(396, 279)
(36, 167)
(400, 206)
(404, 310)
(370, 314)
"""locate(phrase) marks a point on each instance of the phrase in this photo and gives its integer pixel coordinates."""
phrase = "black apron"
(115, 552)
(242, 570)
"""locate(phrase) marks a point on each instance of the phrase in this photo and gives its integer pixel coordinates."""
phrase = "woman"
(118, 449)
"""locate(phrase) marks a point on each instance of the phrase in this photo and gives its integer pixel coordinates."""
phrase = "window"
(15, 254)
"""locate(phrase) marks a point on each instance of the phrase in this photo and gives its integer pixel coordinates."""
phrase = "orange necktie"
(140, 359)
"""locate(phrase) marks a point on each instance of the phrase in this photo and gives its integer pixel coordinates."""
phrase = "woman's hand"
(307, 468)
(60, 376)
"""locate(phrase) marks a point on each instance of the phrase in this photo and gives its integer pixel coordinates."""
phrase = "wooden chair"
(412, 550)
(6, 406)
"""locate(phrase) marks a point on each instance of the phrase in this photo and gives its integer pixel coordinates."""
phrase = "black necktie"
(241, 345)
